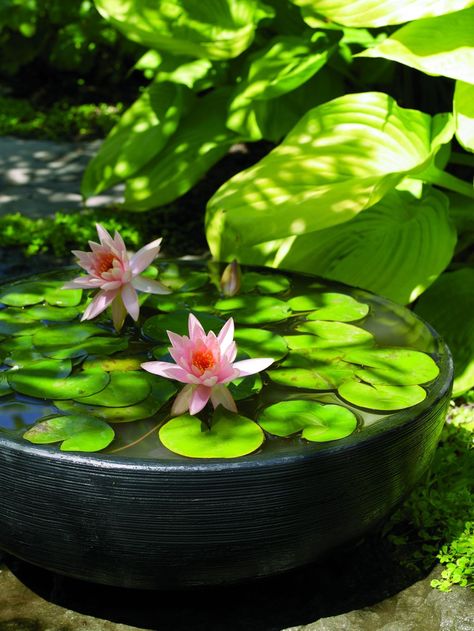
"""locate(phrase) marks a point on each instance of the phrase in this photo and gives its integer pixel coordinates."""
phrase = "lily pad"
(179, 279)
(254, 309)
(381, 397)
(17, 322)
(338, 335)
(178, 302)
(4, 385)
(161, 393)
(229, 436)
(318, 422)
(322, 376)
(394, 366)
(111, 364)
(22, 357)
(245, 387)
(61, 335)
(77, 433)
(330, 306)
(48, 379)
(53, 314)
(55, 295)
(91, 346)
(260, 343)
(22, 294)
(155, 327)
(264, 283)
(124, 389)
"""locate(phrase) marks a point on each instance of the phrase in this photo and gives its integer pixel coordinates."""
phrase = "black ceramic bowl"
(147, 523)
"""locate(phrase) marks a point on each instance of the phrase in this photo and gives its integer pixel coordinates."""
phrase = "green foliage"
(436, 522)
(60, 36)
(60, 122)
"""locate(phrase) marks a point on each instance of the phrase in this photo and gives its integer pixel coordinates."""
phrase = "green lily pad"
(17, 322)
(161, 393)
(229, 436)
(22, 357)
(91, 346)
(178, 302)
(124, 389)
(254, 309)
(111, 364)
(155, 327)
(53, 314)
(337, 334)
(245, 387)
(61, 335)
(77, 433)
(318, 422)
(48, 379)
(381, 397)
(22, 294)
(18, 343)
(179, 279)
(394, 366)
(260, 343)
(264, 283)
(322, 375)
(55, 295)
(330, 306)
(4, 385)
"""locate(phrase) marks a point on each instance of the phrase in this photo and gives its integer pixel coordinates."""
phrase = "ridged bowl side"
(143, 524)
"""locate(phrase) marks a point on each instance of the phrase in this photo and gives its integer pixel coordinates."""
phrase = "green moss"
(437, 520)
(60, 122)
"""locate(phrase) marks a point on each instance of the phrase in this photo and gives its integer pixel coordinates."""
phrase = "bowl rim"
(385, 427)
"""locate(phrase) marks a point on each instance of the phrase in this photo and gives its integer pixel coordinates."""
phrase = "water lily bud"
(230, 279)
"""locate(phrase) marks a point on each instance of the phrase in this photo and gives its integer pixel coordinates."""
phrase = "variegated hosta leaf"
(141, 134)
(463, 107)
(281, 67)
(379, 12)
(343, 156)
(437, 46)
(449, 306)
(200, 141)
(397, 248)
(216, 29)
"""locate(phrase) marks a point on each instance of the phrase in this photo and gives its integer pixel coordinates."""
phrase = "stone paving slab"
(41, 177)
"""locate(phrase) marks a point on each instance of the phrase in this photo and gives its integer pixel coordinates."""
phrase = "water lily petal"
(183, 400)
(83, 282)
(251, 366)
(104, 236)
(149, 286)
(101, 301)
(199, 399)
(166, 369)
(130, 300)
(144, 257)
(226, 335)
(195, 328)
(220, 395)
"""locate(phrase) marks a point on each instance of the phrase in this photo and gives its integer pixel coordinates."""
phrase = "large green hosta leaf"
(217, 29)
(141, 134)
(449, 306)
(201, 140)
(380, 12)
(282, 66)
(464, 114)
(342, 157)
(437, 46)
(397, 248)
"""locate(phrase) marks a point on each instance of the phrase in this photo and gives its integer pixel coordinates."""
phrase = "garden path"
(40, 177)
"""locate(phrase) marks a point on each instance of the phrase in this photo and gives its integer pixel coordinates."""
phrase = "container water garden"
(240, 423)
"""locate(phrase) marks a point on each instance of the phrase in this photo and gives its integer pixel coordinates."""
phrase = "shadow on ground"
(350, 579)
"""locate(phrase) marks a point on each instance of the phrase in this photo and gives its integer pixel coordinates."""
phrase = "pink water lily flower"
(116, 275)
(205, 362)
